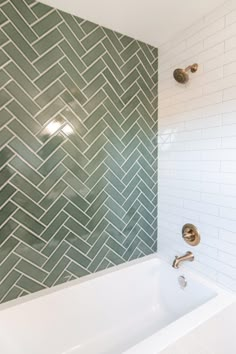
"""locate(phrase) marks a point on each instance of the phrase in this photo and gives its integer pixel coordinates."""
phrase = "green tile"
(98, 259)
(5, 174)
(4, 78)
(4, 97)
(27, 204)
(83, 197)
(112, 66)
(96, 190)
(5, 155)
(48, 41)
(74, 105)
(54, 275)
(47, 23)
(96, 146)
(72, 23)
(5, 136)
(28, 222)
(75, 153)
(55, 257)
(50, 147)
(95, 116)
(77, 243)
(74, 89)
(50, 94)
(130, 93)
(30, 254)
(15, 54)
(112, 52)
(2, 18)
(99, 173)
(25, 152)
(119, 249)
(74, 58)
(77, 228)
(94, 70)
(50, 231)
(40, 9)
(117, 222)
(78, 257)
(3, 38)
(52, 178)
(51, 162)
(96, 161)
(75, 183)
(77, 270)
(55, 241)
(24, 10)
(100, 227)
(12, 294)
(49, 111)
(113, 82)
(93, 38)
(112, 123)
(98, 245)
(48, 77)
(18, 39)
(77, 214)
(114, 97)
(113, 38)
(92, 88)
(32, 271)
(8, 247)
(28, 138)
(53, 211)
(20, 24)
(16, 91)
(114, 258)
(8, 282)
(90, 57)
(26, 187)
(72, 39)
(76, 199)
(95, 101)
(6, 193)
(20, 166)
(53, 194)
(49, 58)
(29, 284)
(99, 215)
(5, 117)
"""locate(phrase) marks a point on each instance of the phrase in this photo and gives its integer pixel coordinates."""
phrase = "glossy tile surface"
(78, 155)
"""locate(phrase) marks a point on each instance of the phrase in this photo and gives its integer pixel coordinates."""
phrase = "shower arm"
(193, 68)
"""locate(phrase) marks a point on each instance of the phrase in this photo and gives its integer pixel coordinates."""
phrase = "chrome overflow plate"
(182, 282)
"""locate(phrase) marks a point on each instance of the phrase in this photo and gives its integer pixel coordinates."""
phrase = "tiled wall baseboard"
(78, 155)
(197, 144)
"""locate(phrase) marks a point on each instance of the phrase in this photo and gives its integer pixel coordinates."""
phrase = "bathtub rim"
(153, 257)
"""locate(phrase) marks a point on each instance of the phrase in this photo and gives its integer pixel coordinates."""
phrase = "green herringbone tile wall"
(78, 159)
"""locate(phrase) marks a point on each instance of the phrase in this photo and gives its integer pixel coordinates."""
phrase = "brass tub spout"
(178, 260)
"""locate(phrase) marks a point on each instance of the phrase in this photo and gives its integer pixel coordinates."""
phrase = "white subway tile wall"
(197, 145)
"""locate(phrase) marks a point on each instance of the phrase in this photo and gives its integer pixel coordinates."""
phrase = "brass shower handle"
(191, 234)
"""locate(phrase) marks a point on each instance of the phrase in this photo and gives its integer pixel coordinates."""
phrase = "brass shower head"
(181, 75)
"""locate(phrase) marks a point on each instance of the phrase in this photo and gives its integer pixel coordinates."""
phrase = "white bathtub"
(137, 308)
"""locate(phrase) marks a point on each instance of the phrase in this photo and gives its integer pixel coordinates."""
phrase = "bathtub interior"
(107, 314)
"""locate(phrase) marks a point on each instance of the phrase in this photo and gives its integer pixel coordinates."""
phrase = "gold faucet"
(178, 260)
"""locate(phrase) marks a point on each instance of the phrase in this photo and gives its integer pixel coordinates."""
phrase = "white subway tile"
(230, 43)
(197, 150)
(230, 18)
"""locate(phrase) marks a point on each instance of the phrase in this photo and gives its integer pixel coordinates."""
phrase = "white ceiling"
(152, 21)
